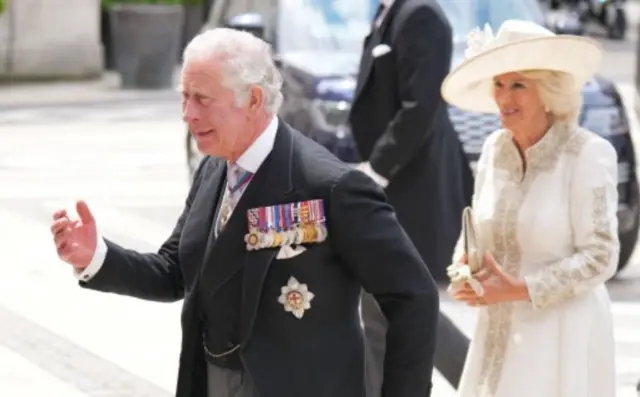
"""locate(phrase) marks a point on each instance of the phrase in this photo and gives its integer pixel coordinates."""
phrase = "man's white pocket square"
(380, 50)
(288, 252)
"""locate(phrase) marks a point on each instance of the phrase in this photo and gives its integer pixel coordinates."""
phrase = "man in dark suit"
(275, 243)
(407, 144)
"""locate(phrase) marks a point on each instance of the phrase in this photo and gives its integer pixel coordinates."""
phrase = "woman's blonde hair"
(559, 93)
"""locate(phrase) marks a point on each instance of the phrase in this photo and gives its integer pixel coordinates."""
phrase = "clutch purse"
(460, 273)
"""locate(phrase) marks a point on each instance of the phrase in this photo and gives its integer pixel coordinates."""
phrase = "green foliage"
(107, 3)
(3, 6)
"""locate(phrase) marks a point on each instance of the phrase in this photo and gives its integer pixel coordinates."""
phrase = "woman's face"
(518, 100)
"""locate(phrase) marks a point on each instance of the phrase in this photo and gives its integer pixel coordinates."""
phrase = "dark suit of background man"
(250, 324)
(407, 143)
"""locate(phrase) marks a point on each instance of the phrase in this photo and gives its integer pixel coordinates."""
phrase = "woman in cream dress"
(545, 210)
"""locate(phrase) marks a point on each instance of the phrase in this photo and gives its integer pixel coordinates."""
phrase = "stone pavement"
(54, 335)
(84, 92)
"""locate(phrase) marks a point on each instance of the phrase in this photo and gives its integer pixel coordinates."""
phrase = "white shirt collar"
(387, 3)
(254, 156)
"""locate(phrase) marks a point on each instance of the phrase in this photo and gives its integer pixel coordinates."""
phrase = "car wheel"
(193, 154)
(617, 27)
(628, 239)
(627, 245)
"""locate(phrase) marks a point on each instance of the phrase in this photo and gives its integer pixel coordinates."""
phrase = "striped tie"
(237, 181)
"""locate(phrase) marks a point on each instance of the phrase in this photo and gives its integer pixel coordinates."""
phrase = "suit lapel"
(366, 61)
(203, 208)
(370, 42)
(214, 206)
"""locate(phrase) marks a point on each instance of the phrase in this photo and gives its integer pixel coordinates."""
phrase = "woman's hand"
(451, 272)
(498, 285)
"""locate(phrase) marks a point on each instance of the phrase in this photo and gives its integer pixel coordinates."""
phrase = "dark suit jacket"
(320, 355)
(401, 126)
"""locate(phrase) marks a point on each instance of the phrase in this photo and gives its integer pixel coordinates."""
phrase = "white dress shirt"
(250, 160)
(387, 5)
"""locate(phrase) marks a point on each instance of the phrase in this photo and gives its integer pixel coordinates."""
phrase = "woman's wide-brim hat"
(518, 46)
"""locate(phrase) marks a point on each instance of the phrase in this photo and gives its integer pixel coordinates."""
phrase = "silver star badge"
(295, 297)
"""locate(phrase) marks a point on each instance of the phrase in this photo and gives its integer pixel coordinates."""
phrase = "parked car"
(609, 16)
(318, 45)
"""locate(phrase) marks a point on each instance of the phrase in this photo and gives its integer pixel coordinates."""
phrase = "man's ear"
(256, 99)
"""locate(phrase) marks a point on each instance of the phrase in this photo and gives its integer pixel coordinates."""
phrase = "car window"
(324, 25)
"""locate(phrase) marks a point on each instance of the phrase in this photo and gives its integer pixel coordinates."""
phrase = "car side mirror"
(248, 22)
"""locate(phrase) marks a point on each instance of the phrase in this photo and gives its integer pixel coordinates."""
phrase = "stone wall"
(48, 39)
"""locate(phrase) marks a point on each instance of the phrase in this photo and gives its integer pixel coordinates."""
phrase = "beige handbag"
(460, 273)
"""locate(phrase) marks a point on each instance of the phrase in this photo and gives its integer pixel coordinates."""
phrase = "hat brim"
(469, 85)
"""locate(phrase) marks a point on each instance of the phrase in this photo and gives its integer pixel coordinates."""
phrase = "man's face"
(220, 127)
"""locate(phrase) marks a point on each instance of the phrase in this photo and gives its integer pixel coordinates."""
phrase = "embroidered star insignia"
(295, 297)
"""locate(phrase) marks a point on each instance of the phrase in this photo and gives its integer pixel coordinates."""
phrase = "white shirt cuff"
(379, 179)
(96, 262)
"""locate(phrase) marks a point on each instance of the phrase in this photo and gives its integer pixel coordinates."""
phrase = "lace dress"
(553, 225)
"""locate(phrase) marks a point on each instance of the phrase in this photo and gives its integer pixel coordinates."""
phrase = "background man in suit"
(407, 143)
(260, 317)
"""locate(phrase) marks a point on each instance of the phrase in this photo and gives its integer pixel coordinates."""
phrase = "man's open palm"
(75, 240)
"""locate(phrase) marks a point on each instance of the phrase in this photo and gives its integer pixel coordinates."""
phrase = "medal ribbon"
(276, 218)
(280, 218)
(319, 204)
(270, 218)
(295, 213)
(304, 212)
(287, 216)
(253, 218)
(262, 224)
(316, 211)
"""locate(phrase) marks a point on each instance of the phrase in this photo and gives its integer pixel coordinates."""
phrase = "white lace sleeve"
(593, 206)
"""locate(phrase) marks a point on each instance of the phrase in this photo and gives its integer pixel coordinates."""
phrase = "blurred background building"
(74, 39)
(45, 39)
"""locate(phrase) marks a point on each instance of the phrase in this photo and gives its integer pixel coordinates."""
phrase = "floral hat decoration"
(517, 46)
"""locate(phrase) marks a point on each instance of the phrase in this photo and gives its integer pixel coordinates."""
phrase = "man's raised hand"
(75, 240)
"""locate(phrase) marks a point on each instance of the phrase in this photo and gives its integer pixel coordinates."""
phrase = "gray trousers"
(224, 382)
(451, 346)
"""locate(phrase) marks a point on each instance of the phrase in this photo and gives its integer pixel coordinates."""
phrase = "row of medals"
(300, 234)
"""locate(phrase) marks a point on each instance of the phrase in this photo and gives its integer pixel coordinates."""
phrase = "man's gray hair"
(247, 61)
